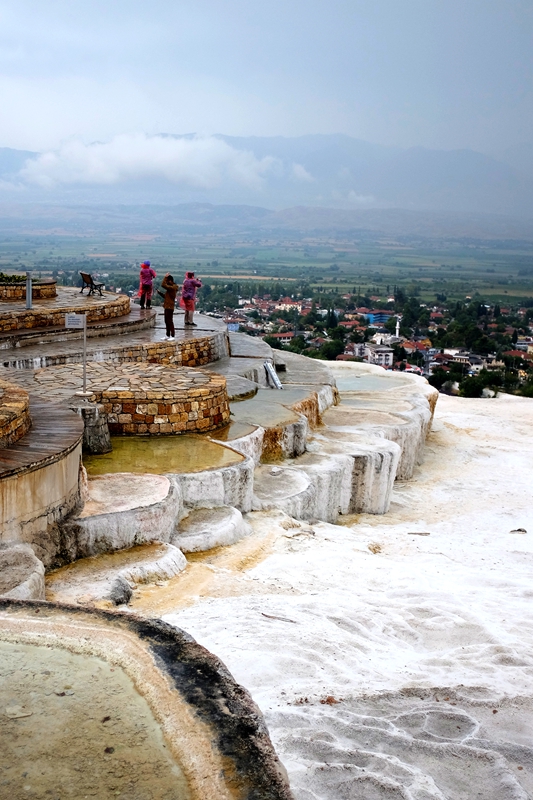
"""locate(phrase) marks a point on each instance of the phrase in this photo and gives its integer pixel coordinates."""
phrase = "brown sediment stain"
(215, 573)
(309, 408)
(432, 397)
(273, 444)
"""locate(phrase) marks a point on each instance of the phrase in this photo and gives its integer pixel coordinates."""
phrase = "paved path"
(66, 296)
(60, 383)
(35, 352)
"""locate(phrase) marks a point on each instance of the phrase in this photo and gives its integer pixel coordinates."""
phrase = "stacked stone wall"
(186, 353)
(15, 420)
(26, 319)
(158, 413)
(17, 291)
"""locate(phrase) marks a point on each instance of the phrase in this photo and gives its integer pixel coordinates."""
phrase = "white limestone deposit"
(393, 656)
(123, 510)
(91, 580)
(206, 528)
(21, 573)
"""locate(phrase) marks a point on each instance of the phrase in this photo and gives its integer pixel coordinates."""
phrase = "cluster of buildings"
(258, 317)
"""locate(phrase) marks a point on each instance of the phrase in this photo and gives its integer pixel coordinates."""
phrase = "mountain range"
(331, 171)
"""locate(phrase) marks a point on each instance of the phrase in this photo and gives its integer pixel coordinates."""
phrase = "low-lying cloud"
(199, 162)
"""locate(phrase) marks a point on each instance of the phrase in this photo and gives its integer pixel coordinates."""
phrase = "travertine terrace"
(307, 451)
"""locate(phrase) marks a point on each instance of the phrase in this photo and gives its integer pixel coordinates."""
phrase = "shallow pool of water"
(75, 726)
(235, 430)
(369, 382)
(159, 455)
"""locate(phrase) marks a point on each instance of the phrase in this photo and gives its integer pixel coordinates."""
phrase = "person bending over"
(169, 303)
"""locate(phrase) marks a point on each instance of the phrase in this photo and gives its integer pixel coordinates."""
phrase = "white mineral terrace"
(390, 654)
(361, 563)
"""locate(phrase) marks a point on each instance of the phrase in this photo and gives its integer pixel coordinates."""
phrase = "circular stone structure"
(15, 420)
(50, 311)
(149, 399)
(16, 290)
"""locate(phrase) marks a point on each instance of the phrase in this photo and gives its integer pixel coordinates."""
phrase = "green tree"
(330, 350)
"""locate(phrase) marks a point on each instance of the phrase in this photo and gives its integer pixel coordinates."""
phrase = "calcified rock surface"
(392, 656)
(21, 573)
(207, 528)
(99, 578)
(123, 510)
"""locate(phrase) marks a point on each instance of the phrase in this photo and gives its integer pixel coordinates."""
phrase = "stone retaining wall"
(204, 409)
(40, 290)
(26, 319)
(185, 353)
(155, 399)
(15, 418)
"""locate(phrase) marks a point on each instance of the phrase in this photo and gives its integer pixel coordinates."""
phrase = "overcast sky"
(438, 73)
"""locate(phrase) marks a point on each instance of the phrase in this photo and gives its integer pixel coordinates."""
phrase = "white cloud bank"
(201, 162)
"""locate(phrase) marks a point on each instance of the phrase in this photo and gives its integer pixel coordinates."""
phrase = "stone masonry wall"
(17, 291)
(195, 410)
(185, 353)
(55, 317)
(15, 418)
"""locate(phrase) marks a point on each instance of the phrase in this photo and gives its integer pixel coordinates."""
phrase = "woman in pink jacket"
(146, 284)
(188, 296)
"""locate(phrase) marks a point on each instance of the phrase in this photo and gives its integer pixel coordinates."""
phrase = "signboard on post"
(75, 321)
(79, 322)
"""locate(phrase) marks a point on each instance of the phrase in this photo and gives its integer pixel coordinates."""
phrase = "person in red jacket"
(146, 284)
(188, 296)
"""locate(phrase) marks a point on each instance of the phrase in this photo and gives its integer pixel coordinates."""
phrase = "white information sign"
(75, 321)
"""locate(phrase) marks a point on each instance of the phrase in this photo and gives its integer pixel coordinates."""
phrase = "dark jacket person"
(169, 303)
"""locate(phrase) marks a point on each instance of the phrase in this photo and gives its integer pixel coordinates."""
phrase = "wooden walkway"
(56, 431)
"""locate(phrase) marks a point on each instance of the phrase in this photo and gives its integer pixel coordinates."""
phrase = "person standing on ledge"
(146, 284)
(188, 296)
(169, 303)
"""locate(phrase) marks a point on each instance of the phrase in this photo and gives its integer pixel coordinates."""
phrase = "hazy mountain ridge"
(253, 221)
(334, 171)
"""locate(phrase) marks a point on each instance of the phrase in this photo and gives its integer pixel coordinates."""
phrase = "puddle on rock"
(385, 402)
(369, 382)
(235, 430)
(160, 455)
(267, 408)
(75, 726)
(342, 416)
